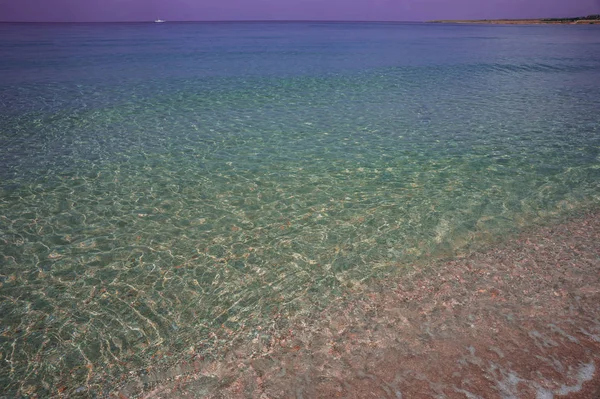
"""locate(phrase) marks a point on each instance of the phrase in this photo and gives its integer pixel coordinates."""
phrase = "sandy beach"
(517, 21)
(520, 319)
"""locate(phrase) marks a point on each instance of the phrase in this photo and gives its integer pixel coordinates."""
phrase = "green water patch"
(130, 234)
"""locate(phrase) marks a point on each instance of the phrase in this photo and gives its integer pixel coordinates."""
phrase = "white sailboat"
(158, 21)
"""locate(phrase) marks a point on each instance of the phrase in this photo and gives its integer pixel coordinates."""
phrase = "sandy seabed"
(519, 320)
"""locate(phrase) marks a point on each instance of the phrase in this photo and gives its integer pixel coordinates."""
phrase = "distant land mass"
(590, 19)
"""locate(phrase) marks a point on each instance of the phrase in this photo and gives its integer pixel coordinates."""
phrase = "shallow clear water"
(159, 182)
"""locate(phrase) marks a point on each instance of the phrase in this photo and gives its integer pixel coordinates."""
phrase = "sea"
(161, 184)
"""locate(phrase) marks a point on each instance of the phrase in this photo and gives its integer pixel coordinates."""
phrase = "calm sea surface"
(160, 182)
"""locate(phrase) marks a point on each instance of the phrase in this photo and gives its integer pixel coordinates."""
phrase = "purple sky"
(181, 10)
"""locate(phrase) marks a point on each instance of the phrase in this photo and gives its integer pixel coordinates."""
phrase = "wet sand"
(519, 320)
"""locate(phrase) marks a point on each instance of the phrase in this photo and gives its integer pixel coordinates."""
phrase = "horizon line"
(207, 21)
(279, 20)
(290, 20)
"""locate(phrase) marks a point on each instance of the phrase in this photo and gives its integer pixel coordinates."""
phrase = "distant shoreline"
(565, 21)
(541, 21)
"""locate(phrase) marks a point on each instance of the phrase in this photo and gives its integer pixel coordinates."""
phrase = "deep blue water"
(159, 181)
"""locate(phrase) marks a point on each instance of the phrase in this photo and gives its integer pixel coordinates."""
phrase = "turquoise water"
(161, 182)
